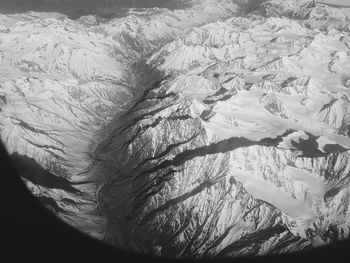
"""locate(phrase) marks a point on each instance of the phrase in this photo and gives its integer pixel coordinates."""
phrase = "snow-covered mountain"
(221, 129)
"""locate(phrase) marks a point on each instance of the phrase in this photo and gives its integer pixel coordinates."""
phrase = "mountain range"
(219, 129)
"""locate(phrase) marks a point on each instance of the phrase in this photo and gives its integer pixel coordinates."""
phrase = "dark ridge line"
(155, 86)
(199, 228)
(83, 182)
(207, 114)
(32, 171)
(135, 157)
(285, 242)
(144, 116)
(222, 90)
(155, 183)
(3, 99)
(251, 210)
(203, 186)
(167, 235)
(137, 206)
(328, 105)
(164, 153)
(142, 130)
(47, 150)
(26, 126)
(253, 239)
(133, 138)
(186, 223)
(270, 76)
(227, 81)
(218, 240)
(141, 109)
(224, 98)
(68, 201)
(47, 147)
(206, 237)
(162, 97)
(208, 231)
(219, 147)
(288, 81)
(332, 162)
(191, 250)
(150, 191)
(179, 118)
(333, 192)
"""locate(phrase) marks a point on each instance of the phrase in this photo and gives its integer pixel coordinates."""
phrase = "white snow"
(265, 191)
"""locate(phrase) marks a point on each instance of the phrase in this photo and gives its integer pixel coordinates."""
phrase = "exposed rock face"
(218, 130)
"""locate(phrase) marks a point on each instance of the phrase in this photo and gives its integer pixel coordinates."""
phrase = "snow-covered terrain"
(221, 129)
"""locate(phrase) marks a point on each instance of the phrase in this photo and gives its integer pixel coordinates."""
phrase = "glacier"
(220, 129)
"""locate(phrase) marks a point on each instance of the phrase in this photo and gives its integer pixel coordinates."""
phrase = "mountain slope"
(217, 130)
(242, 147)
(61, 83)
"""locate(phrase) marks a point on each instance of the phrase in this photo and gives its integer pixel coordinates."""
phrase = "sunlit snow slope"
(218, 130)
(62, 82)
(241, 148)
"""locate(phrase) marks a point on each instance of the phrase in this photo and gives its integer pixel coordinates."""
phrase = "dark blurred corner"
(31, 232)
